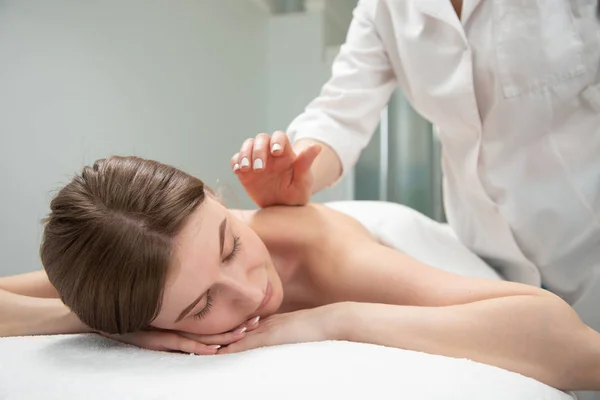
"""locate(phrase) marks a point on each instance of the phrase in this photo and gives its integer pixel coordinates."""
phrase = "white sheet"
(91, 367)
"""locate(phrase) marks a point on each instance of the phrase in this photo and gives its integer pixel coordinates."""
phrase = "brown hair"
(108, 241)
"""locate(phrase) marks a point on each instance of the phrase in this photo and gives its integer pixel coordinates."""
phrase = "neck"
(292, 269)
(457, 5)
(285, 244)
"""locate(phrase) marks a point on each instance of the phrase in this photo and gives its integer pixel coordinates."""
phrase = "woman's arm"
(345, 114)
(538, 336)
(29, 305)
(33, 284)
(513, 326)
(23, 315)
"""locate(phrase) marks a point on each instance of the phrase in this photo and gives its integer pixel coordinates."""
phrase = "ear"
(218, 197)
(209, 192)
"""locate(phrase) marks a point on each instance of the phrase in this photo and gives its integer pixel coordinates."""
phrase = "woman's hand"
(165, 340)
(272, 173)
(311, 325)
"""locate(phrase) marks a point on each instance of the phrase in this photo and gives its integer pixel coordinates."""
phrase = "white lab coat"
(513, 89)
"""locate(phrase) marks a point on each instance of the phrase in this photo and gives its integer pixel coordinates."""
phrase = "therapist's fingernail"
(216, 346)
(245, 162)
(240, 331)
(236, 167)
(254, 321)
(258, 164)
(276, 147)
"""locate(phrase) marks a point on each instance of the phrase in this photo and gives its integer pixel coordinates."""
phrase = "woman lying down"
(144, 253)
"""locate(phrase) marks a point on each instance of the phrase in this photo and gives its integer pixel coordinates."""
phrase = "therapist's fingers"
(306, 158)
(260, 151)
(245, 156)
(234, 162)
(280, 144)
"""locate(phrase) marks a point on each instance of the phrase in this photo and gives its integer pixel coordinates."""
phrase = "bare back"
(324, 256)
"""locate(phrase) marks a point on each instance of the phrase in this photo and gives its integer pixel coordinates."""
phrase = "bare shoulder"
(313, 224)
(320, 240)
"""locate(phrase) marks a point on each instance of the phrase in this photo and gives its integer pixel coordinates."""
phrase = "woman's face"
(222, 276)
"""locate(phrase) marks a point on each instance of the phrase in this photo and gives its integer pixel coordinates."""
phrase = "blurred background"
(183, 82)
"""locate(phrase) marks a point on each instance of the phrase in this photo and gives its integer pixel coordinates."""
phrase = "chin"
(277, 299)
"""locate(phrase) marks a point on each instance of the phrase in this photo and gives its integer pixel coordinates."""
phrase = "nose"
(244, 293)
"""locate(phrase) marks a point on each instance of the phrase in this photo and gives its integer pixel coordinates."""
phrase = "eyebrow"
(222, 229)
(189, 308)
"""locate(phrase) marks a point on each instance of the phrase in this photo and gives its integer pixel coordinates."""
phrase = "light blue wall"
(80, 80)
(299, 63)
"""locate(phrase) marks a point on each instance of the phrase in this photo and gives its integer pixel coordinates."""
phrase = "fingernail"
(258, 164)
(240, 331)
(254, 320)
(275, 147)
(236, 167)
(216, 346)
(245, 162)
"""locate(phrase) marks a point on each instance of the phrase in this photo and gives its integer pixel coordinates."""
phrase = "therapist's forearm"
(23, 316)
(538, 336)
(327, 167)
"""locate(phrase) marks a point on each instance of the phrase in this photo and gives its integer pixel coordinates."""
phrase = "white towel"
(90, 367)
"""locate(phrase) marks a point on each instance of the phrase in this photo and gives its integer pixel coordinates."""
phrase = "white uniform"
(513, 89)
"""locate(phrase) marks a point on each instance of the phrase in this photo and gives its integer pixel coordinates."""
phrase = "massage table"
(90, 367)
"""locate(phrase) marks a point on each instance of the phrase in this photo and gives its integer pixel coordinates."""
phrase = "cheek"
(255, 250)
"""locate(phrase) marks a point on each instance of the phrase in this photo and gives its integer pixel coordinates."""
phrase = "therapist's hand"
(272, 173)
(175, 341)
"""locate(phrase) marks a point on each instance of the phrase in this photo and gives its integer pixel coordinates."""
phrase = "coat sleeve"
(347, 111)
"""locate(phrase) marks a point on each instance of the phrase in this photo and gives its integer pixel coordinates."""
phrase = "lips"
(267, 298)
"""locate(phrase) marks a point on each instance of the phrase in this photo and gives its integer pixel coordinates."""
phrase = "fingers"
(246, 154)
(186, 345)
(222, 339)
(252, 324)
(255, 152)
(306, 158)
(232, 348)
(234, 162)
(280, 144)
(259, 153)
(237, 347)
(166, 341)
(248, 343)
(226, 338)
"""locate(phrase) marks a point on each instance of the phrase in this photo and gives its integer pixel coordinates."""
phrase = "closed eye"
(202, 313)
(234, 250)
(230, 257)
